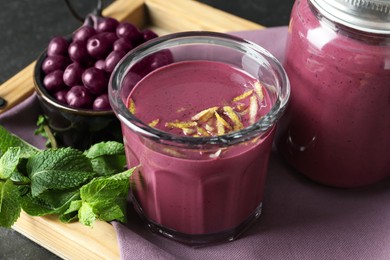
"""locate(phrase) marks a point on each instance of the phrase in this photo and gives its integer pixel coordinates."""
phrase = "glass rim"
(196, 37)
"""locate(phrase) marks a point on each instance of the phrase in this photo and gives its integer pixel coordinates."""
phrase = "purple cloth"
(21, 120)
(300, 220)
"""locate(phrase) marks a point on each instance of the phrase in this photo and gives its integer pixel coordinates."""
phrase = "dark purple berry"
(100, 45)
(130, 80)
(78, 52)
(79, 97)
(55, 62)
(122, 45)
(152, 62)
(101, 103)
(53, 81)
(148, 35)
(107, 24)
(95, 80)
(100, 64)
(83, 34)
(57, 46)
(72, 74)
(129, 32)
(112, 60)
(60, 96)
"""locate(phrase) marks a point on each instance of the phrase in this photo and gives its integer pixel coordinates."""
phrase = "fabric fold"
(140, 248)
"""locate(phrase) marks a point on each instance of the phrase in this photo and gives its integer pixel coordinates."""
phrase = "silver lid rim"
(338, 12)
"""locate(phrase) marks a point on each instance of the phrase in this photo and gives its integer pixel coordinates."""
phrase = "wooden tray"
(75, 241)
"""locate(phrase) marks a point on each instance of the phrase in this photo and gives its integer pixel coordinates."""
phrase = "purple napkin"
(21, 120)
(300, 220)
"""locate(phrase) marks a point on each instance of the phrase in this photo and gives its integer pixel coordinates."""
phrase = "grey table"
(26, 27)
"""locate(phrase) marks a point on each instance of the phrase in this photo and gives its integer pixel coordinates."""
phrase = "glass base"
(199, 239)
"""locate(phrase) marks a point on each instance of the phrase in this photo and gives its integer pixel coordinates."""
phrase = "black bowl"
(78, 128)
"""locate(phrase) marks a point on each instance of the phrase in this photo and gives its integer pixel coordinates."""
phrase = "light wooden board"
(70, 241)
(75, 241)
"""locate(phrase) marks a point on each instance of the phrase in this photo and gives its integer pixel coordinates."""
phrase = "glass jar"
(336, 129)
(198, 189)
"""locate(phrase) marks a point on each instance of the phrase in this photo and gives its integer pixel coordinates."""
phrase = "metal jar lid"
(365, 15)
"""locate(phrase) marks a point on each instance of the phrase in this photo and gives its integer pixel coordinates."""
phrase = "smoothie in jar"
(337, 126)
(199, 124)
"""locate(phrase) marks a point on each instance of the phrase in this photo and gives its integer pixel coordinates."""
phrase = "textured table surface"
(27, 26)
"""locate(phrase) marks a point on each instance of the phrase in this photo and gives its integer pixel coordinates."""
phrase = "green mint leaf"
(86, 215)
(49, 202)
(107, 158)
(9, 161)
(105, 148)
(113, 209)
(40, 123)
(10, 140)
(102, 188)
(74, 206)
(58, 169)
(18, 175)
(104, 198)
(9, 204)
(71, 213)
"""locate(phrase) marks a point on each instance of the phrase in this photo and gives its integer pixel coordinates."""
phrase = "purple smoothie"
(196, 191)
(337, 126)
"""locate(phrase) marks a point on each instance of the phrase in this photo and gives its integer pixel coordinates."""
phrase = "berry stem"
(50, 137)
(97, 11)
(99, 8)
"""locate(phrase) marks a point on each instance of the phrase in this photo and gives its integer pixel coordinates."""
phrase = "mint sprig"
(44, 130)
(75, 185)
(102, 198)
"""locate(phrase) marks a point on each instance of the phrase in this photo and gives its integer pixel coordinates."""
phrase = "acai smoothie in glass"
(198, 113)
